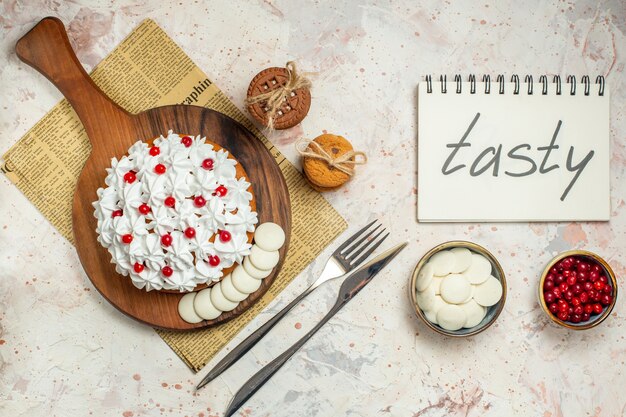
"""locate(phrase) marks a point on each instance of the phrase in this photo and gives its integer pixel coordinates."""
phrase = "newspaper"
(148, 70)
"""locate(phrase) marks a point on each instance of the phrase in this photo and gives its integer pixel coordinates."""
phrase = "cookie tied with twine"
(279, 98)
(329, 161)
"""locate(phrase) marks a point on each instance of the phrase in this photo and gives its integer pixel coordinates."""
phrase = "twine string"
(273, 100)
(344, 163)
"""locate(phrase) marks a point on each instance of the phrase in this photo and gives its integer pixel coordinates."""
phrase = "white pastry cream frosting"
(174, 215)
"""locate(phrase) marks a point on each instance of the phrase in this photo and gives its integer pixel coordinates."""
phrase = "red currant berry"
(554, 271)
(583, 276)
(225, 236)
(144, 209)
(221, 191)
(571, 280)
(608, 289)
(576, 318)
(554, 308)
(588, 308)
(563, 316)
(594, 276)
(564, 307)
(567, 273)
(568, 295)
(207, 164)
(586, 316)
(169, 201)
(559, 279)
(557, 292)
(575, 301)
(598, 285)
(596, 268)
(583, 267)
(167, 271)
(155, 150)
(603, 279)
(190, 232)
(130, 177)
(563, 286)
(549, 297)
(597, 308)
(577, 288)
(579, 310)
(186, 140)
(595, 297)
(166, 240)
(587, 286)
(214, 260)
(127, 238)
(138, 267)
(199, 201)
(160, 169)
(117, 213)
(548, 285)
(605, 299)
(584, 297)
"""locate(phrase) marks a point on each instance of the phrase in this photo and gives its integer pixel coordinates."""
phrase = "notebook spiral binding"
(528, 80)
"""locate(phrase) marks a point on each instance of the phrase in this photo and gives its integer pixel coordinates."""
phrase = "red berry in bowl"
(554, 308)
(563, 316)
(597, 308)
(549, 297)
(586, 316)
(588, 286)
(548, 285)
(605, 299)
(576, 318)
(584, 297)
(559, 279)
(588, 308)
(579, 310)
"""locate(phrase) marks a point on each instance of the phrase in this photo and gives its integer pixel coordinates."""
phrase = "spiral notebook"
(514, 150)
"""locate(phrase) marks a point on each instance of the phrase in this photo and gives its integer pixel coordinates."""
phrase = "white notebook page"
(508, 157)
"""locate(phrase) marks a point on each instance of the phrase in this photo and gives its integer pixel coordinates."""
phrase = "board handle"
(47, 48)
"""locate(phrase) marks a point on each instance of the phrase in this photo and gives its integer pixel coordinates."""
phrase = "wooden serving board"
(111, 131)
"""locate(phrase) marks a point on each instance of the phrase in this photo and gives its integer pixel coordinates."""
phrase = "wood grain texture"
(112, 131)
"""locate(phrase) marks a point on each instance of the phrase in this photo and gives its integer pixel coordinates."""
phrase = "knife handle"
(265, 373)
(242, 348)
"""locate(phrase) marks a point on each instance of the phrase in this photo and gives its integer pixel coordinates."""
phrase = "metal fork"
(344, 259)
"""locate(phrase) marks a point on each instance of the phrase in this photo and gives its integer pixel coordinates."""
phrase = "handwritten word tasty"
(491, 157)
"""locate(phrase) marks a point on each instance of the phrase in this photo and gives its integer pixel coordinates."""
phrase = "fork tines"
(349, 252)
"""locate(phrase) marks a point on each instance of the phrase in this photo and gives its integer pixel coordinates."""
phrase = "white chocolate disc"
(475, 313)
(442, 262)
(263, 259)
(203, 305)
(269, 236)
(462, 259)
(431, 316)
(230, 292)
(424, 277)
(436, 284)
(219, 300)
(185, 309)
(451, 317)
(471, 294)
(479, 270)
(488, 293)
(253, 271)
(426, 299)
(244, 282)
(455, 289)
